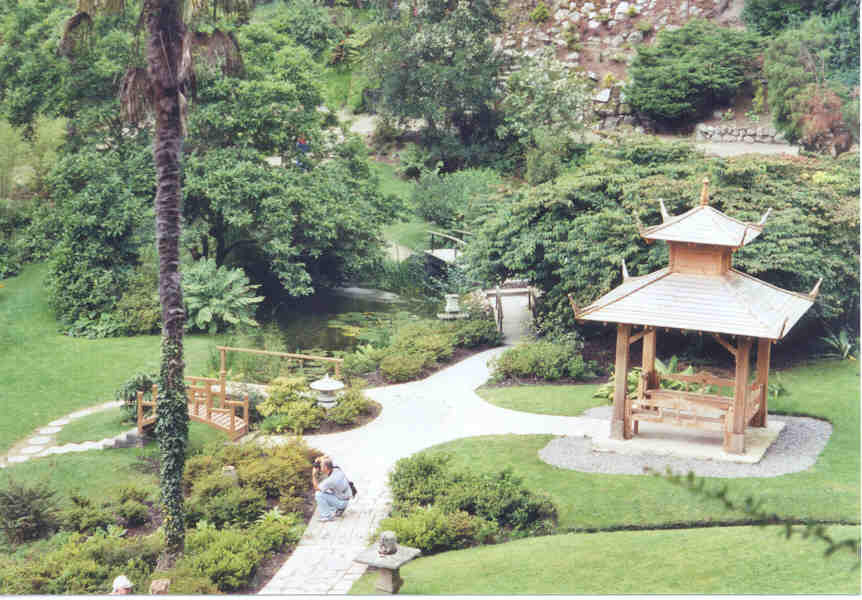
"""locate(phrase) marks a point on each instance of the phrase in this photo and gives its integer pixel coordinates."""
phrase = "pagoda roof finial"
(704, 192)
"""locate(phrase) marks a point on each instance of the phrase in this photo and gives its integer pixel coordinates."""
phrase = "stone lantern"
(452, 309)
(327, 389)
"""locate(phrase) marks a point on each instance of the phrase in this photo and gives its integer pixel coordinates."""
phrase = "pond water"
(335, 319)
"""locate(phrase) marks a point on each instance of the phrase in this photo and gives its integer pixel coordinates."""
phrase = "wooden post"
(734, 435)
(764, 348)
(648, 354)
(140, 412)
(245, 411)
(619, 427)
(222, 374)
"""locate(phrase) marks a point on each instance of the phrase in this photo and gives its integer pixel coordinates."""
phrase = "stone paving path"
(415, 415)
(43, 441)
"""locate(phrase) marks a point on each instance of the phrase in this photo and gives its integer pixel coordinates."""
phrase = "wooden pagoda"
(698, 291)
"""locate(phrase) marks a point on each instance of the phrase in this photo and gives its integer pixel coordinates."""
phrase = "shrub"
(27, 512)
(351, 404)
(502, 498)
(196, 467)
(690, 70)
(364, 359)
(284, 391)
(397, 367)
(470, 333)
(133, 513)
(419, 479)
(186, 581)
(227, 558)
(450, 199)
(540, 359)
(540, 14)
(217, 297)
(301, 416)
(237, 506)
(83, 517)
(132, 492)
(211, 485)
(434, 530)
(276, 476)
(275, 529)
(128, 393)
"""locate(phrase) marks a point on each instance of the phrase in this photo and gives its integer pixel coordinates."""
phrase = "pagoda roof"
(703, 225)
(732, 303)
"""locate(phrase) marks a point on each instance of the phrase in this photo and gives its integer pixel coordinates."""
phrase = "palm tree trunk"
(164, 55)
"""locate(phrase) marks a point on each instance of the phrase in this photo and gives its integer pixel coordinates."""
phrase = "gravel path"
(796, 449)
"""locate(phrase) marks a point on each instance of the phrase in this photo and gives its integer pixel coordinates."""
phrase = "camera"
(318, 463)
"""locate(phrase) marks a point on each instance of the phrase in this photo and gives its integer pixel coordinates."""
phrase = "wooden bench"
(711, 412)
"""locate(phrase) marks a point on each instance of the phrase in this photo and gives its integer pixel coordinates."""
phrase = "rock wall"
(731, 133)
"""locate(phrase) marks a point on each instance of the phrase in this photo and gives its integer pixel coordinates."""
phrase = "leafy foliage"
(570, 235)
(217, 297)
(439, 65)
(539, 359)
(432, 504)
(27, 512)
(454, 198)
(806, 91)
(542, 96)
(688, 71)
(433, 529)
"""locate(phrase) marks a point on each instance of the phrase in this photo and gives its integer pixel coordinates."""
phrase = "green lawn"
(97, 473)
(716, 560)
(98, 426)
(47, 375)
(562, 400)
(828, 491)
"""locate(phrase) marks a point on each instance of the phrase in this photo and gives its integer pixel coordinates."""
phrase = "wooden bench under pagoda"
(698, 291)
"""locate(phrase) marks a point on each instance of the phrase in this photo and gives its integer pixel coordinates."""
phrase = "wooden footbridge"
(208, 400)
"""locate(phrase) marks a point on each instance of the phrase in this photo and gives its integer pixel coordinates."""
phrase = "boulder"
(593, 75)
(593, 24)
(562, 15)
(635, 37)
(573, 56)
(748, 139)
(589, 6)
(603, 96)
(541, 36)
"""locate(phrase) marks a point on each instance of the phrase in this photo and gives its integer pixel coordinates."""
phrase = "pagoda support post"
(620, 428)
(648, 357)
(764, 349)
(734, 435)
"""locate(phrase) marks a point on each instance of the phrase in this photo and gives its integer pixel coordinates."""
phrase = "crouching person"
(332, 489)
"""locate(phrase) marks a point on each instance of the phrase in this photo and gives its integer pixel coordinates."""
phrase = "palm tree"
(160, 91)
(167, 71)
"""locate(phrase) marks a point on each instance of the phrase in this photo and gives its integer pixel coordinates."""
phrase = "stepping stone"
(49, 430)
(31, 449)
(17, 459)
(39, 439)
(59, 422)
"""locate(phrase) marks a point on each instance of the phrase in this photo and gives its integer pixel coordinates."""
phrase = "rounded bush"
(434, 530)
(398, 367)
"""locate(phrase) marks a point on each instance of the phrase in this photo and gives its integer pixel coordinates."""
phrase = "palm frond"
(136, 94)
(75, 34)
(217, 49)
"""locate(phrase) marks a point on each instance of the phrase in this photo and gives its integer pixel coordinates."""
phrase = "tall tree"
(167, 73)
